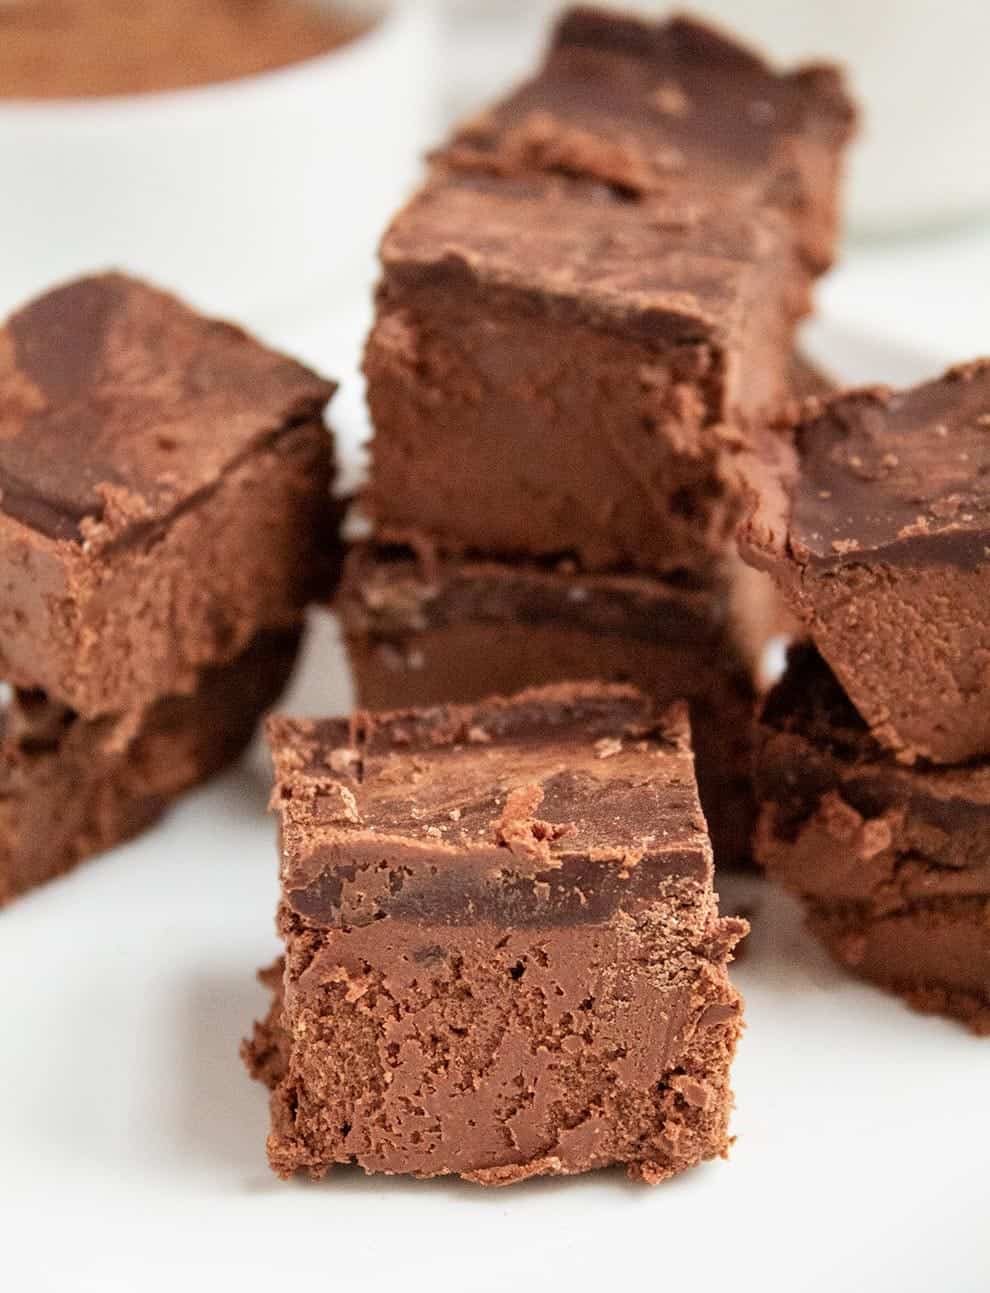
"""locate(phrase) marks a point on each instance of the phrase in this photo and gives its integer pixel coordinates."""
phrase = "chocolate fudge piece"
(503, 952)
(880, 546)
(71, 787)
(590, 307)
(893, 862)
(424, 630)
(164, 494)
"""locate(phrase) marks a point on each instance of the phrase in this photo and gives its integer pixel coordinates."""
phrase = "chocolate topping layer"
(654, 108)
(489, 811)
(390, 591)
(894, 476)
(106, 389)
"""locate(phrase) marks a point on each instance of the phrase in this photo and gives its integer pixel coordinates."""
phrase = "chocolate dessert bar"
(503, 952)
(590, 307)
(881, 544)
(892, 862)
(164, 495)
(71, 787)
(421, 631)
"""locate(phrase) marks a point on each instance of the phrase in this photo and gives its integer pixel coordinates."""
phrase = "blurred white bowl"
(255, 198)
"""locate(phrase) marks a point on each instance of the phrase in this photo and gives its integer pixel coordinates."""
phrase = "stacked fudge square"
(165, 516)
(585, 323)
(873, 760)
(503, 951)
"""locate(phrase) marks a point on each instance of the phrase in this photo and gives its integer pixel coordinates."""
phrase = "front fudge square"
(72, 787)
(421, 630)
(881, 548)
(503, 952)
(892, 862)
(164, 494)
(571, 344)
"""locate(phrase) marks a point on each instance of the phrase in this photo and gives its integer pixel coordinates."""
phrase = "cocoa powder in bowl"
(53, 49)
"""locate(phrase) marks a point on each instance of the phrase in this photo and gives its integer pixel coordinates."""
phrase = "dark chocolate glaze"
(563, 805)
(670, 107)
(486, 887)
(902, 477)
(109, 388)
(392, 593)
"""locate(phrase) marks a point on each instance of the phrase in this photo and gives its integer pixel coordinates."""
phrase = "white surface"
(253, 198)
(132, 1142)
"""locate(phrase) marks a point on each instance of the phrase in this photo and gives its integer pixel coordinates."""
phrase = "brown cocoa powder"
(94, 48)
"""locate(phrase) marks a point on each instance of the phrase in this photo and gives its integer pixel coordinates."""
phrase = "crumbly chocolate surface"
(83, 48)
(164, 494)
(591, 304)
(879, 542)
(71, 788)
(503, 954)
(673, 107)
(423, 630)
(893, 862)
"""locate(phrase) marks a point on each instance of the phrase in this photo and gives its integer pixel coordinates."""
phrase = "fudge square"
(881, 544)
(72, 787)
(422, 629)
(892, 862)
(164, 494)
(590, 306)
(503, 952)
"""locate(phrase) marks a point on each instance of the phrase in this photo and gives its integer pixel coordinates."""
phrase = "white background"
(132, 1142)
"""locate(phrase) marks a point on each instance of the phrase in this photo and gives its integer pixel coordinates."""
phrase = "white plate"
(132, 1142)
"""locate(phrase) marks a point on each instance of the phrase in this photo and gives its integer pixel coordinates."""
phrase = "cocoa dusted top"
(892, 476)
(682, 272)
(558, 805)
(119, 405)
(657, 109)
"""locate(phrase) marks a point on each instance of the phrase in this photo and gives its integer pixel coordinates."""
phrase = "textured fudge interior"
(503, 951)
